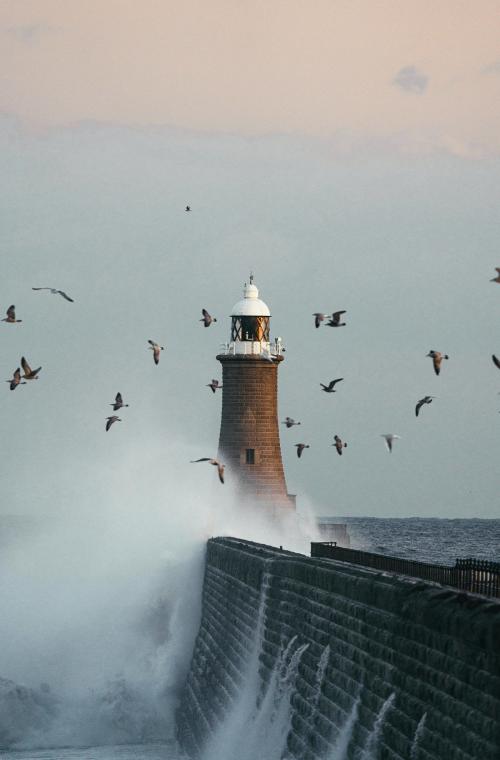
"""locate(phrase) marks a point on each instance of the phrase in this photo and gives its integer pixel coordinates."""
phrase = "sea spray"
(320, 673)
(269, 729)
(227, 735)
(418, 735)
(262, 715)
(369, 752)
(339, 750)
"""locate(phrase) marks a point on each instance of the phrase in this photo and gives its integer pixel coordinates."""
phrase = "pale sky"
(348, 153)
(329, 67)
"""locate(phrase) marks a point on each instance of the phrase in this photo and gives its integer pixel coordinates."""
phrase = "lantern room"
(250, 320)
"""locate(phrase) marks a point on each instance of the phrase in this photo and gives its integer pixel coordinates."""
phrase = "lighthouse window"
(250, 328)
(250, 458)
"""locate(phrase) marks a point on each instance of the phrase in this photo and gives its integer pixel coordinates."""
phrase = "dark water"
(425, 538)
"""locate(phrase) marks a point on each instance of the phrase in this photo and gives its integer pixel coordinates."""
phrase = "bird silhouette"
(29, 374)
(111, 420)
(389, 438)
(155, 348)
(330, 387)
(334, 320)
(54, 291)
(496, 361)
(290, 422)
(214, 385)
(339, 444)
(11, 315)
(301, 447)
(118, 403)
(424, 400)
(16, 380)
(207, 319)
(497, 278)
(319, 317)
(215, 462)
(437, 359)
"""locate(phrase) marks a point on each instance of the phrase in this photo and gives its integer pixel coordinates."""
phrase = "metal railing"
(475, 575)
(252, 347)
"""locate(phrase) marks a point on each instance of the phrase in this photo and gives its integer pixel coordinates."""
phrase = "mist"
(101, 605)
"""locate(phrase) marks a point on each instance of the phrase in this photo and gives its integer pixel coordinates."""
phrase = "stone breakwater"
(371, 664)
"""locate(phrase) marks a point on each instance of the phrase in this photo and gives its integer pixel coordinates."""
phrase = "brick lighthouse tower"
(249, 442)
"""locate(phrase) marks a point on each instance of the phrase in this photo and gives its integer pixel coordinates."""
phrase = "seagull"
(437, 357)
(219, 465)
(155, 348)
(339, 444)
(289, 422)
(207, 319)
(214, 385)
(111, 420)
(497, 278)
(16, 380)
(118, 403)
(389, 438)
(424, 400)
(319, 317)
(188, 208)
(29, 374)
(301, 447)
(56, 292)
(496, 361)
(329, 388)
(334, 320)
(11, 315)
(266, 354)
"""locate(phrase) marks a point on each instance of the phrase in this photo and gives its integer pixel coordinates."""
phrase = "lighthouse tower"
(249, 442)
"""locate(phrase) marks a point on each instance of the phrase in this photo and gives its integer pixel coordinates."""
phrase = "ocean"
(122, 719)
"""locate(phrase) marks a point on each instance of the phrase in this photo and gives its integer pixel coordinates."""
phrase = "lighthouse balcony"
(252, 348)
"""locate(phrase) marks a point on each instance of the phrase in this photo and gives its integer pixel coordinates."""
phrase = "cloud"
(27, 32)
(410, 79)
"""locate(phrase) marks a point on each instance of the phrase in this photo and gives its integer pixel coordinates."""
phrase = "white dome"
(250, 305)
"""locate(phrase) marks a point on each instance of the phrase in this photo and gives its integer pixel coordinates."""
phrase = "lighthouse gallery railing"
(475, 575)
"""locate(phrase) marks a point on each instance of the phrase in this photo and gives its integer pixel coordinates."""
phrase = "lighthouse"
(249, 442)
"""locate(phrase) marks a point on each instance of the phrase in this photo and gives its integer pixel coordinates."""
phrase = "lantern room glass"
(250, 328)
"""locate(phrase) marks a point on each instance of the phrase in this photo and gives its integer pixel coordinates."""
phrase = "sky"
(347, 153)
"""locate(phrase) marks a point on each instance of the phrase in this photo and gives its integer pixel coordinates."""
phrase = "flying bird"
(188, 208)
(319, 317)
(301, 447)
(496, 361)
(56, 292)
(330, 387)
(155, 348)
(389, 438)
(16, 380)
(215, 462)
(339, 444)
(29, 374)
(214, 385)
(334, 320)
(290, 422)
(118, 403)
(424, 400)
(111, 420)
(11, 315)
(497, 278)
(207, 319)
(437, 358)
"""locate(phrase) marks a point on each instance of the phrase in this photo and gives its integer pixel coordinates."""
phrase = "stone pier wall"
(435, 649)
